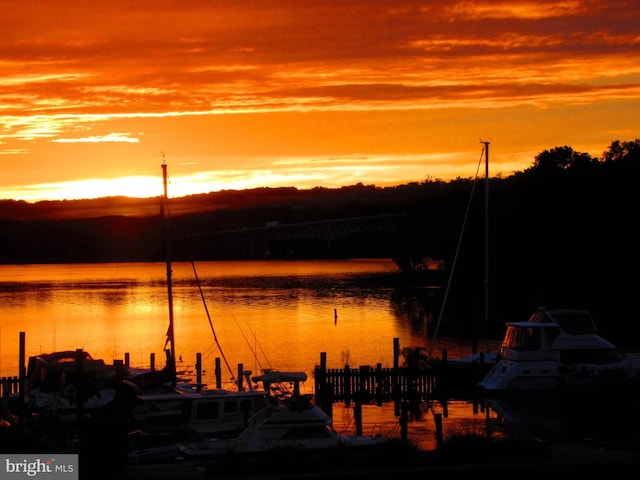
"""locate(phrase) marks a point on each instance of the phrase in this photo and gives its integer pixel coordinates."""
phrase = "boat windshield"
(522, 338)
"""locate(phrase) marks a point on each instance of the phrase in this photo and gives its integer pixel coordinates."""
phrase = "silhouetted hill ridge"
(562, 233)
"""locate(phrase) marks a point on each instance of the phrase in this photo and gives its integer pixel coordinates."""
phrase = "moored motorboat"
(555, 350)
(211, 412)
(294, 423)
(256, 420)
(61, 383)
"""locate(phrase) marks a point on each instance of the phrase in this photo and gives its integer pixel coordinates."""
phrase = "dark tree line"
(563, 232)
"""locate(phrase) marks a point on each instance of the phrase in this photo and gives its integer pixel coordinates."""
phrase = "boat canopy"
(572, 321)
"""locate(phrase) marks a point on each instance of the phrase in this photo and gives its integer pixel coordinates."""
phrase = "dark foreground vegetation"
(563, 232)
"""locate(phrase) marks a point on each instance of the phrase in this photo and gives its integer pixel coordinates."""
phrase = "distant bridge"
(328, 231)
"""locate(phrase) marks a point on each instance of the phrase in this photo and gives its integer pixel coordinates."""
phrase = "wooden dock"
(363, 385)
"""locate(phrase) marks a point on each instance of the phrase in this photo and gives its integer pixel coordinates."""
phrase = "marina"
(296, 316)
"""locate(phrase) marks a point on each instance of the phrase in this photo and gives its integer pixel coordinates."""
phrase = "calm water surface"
(264, 314)
(270, 314)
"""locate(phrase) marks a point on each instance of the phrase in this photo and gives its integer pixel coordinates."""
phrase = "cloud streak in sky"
(310, 80)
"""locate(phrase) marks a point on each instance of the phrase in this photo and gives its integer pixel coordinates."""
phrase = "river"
(263, 314)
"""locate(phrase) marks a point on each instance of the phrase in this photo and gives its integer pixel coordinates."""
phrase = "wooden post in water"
(379, 384)
(404, 421)
(152, 361)
(321, 375)
(324, 389)
(199, 371)
(239, 381)
(22, 372)
(357, 416)
(347, 386)
(218, 374)
(395, 388)
(327, 399)
(321, 378)
(439, 439)
(363, 383)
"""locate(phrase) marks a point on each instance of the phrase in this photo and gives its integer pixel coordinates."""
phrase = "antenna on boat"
(164, 211)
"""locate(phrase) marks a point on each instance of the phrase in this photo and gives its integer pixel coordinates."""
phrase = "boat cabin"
(557, 348)
(212, 413)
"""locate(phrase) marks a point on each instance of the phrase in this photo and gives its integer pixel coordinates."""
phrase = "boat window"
(230, 406)
(207, 410)
(508, 338)
(518, 338)
(531, 339)
(248, 406)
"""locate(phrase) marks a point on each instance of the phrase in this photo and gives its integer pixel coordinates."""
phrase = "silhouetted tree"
(415, 357)
(562, 158)
(623, 154)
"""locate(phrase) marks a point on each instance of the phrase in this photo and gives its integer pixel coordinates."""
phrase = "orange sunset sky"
(244, 94)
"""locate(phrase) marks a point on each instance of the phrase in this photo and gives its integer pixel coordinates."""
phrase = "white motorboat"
(295, 423)
(554, 350)
(216, 412)
(217, 415)
(213, 413)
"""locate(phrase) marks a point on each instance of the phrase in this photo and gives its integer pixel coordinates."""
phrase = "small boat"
(219, 421)
(294, 421)
(60, 383)
(555, 350)
(211, 412)
(297, 424)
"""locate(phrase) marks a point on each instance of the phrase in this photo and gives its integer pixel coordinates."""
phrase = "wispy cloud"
(112, 137)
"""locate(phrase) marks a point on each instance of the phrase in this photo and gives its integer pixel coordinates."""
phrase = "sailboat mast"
(170, 336)
(486, 242)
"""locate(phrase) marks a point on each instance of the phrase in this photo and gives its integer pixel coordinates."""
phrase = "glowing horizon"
(321, 95)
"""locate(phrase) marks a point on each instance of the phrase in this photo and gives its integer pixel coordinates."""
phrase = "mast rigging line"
(253, 349)
(206, 309)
